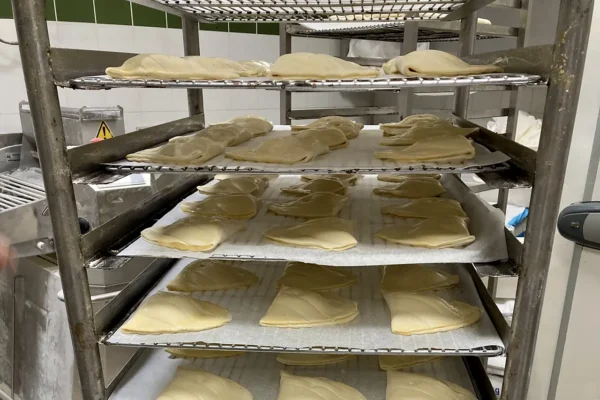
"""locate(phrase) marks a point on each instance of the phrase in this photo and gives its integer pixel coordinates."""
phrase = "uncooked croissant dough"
(434, 63)
(416, 134)
(350, 179)
(256, 68)
(194, 384)
(400, 177)
(314, 205)
(433, 233)
(232, 206)
(428, 207)
(166, 312)
(320, 185)
(311, 359)
(419, 313)
(390, 363)
(211, 275)
(346, 125)
(334, 234)
(414, 188)
(227, 134)
(316, 277)
(243, 184)
(283, 150)
(256, 125)
(330, 136)
(192, 152)
(202, 353)
(447, 148)
(407, 386)
(318, 66)
(410, 121)
(415, 278)
(293, 387)
(402, 130)
(195, 233)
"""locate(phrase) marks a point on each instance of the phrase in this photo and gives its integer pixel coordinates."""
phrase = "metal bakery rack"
(46, 68)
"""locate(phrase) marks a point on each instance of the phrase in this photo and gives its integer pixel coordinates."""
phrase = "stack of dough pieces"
(415, 134)
(350, 179)
(172, 313)
(393, 363)
(189, 152)
(437, 149)
(192, 384)
(350, 128)
(434, 63)
(414, 188)
(226, 134)
(318, 66)
(332, 137)
(318, 185)
(415, 278)
(433, 233)
(397, 177)
(428, 207)
(314, 205)
(257, 126)
(316, 277)
(333, 234)
(202, 353)
(300, 308)
(404, 126)
(302, 387)
(407, 386)
(231, 206)
(238, 185)
(309, 359)
(283, 150)
(211, 275)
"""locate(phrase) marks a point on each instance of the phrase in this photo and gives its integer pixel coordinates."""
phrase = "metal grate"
(15, 192)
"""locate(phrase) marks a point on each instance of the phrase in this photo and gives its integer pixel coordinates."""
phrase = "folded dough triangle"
(427, 207)
(202, 275)
(319, 185)
(390, 363)
(316, 277)
(400, 177)
(194, 384)
(189, 152)
(232, 206)
(202, 353)
(311, 359)
(334, 234)
(314, 205)
(416, 134)
(318, 66)
(415, 278)
(419, 313)
(406, 386)
(165, 312)
(330, 136)
(293, 387)
(403, 130)
(256, 125)
(413, 188)
(193, 233)
(447, 148)
(300, 308)
(244, 184)
(350, 128)
(434, 63)
(283, 150)
(433, 233)
(350, 179)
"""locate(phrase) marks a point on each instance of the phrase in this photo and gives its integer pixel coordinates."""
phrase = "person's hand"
(7, 254)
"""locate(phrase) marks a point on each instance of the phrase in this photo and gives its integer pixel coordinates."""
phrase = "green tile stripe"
(6, 10)
(145, 16)
(268, 28)
(116, 12)
(75, 10)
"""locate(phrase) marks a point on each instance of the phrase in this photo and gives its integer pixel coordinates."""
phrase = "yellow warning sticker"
(104, 131)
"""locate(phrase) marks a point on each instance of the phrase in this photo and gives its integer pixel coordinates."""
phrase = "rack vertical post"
(191, 47)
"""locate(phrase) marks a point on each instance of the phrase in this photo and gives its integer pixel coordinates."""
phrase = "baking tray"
(259, 373)
(363, 208)
(369, 333)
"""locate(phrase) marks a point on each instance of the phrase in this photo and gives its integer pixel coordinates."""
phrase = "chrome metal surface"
(191, 47)
(16, 192)
(535, 60)
(285, 98)
(481, 382)
(468, 29)
(409, 44)
(343, 112)
(73, 63)
(95, 298)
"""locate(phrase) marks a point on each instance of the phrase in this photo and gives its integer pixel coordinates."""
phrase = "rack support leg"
(285, 97)
(191, 47)
(467, 36)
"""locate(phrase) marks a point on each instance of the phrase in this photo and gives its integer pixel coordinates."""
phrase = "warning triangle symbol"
(104, 131)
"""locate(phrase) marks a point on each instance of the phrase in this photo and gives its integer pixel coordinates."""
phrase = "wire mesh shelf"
(16, 192)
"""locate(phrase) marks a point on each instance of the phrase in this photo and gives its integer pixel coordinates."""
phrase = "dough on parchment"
(310, 359)
(434, 63)
(411, 120)
(257, 126)
(316, 277)
(350, 179)
(333, 234)
(330, 136)
(194, 233)
(402, 130)
(202, 353)
(232, 206)
(414, 188)
(242, 184)
(195, 384)
(293, 387)
(226, 134)
(416, 134)
(428, 207)
(202, 275)
(346, 125)
(415, 278)
(420, 313)
(318, 66)
(192, 152)
(407, 386)
(401, 177)
(283, 150)
(314, 205)
(165, 312)
(433, 233)
(437, 149)
(319, 185)
(390, 363)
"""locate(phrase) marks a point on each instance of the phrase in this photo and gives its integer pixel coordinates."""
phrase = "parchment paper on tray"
(259, 373)
(359, 155)
(363, 208)
(370, 331)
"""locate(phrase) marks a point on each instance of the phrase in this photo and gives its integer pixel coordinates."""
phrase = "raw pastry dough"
(318, 66)
(194, 384)
(243, 184)
(428, 207)
(415, 278)
(418, 133)
(448, 148)
(257, 126)
(292, 387)
(202, 353)
(166, 312)
(419, 313)
(434, 63)
(232, 206)
(193, 233)
(211, 275)
(192, 152)
(334, 234)
(346, 125)
(256, 68)
(401, 130)
(316, 277)
(231, 134)
(406, 386)
(390, 363)
(412, 188)
(283, 150)
(400, 177)
(320, 185)
(330, 136)
(411, 120)
(433, 233)
(314, 205)
(311, 359)
(350, 179)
